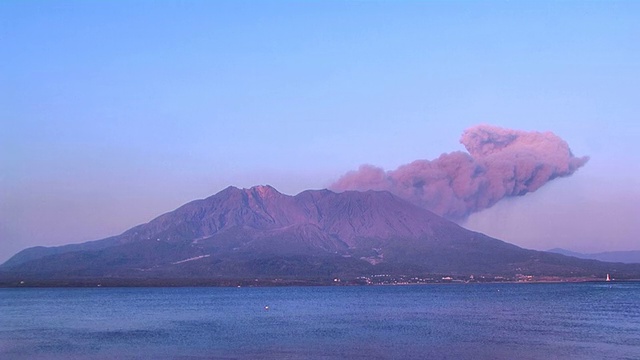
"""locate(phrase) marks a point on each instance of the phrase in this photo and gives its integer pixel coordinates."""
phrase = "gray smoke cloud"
(499, 163)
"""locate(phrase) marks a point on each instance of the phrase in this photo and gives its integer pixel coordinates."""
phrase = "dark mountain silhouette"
(261, 233)
(627, 257)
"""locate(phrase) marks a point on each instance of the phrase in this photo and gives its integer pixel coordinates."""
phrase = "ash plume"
(499, 163)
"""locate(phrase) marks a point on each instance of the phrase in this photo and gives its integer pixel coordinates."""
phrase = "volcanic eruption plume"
(500, 163)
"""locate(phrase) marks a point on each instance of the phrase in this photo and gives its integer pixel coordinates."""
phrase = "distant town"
(370, 280)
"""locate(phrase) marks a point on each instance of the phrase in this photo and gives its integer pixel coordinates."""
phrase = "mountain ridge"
(627, 257)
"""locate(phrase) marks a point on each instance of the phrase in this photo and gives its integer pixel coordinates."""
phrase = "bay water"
(452, 321)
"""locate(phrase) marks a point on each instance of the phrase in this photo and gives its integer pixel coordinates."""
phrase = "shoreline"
(241, 283)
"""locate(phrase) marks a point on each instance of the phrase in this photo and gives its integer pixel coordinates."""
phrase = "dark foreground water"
(489, 321)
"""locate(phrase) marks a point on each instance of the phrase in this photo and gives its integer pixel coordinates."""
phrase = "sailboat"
(608, 278)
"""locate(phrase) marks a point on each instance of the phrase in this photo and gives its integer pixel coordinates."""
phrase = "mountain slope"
(627, 257)
(259, 232)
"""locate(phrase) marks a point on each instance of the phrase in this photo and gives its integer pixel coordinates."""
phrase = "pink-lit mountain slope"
(259, 232)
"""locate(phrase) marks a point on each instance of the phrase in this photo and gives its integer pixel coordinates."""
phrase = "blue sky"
(115, 112)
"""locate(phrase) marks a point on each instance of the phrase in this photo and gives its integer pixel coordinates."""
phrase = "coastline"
(275, 282)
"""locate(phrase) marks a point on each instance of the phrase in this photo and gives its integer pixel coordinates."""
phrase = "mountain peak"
(264, 191)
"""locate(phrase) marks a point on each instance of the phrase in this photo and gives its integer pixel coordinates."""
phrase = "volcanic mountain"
(261, 233)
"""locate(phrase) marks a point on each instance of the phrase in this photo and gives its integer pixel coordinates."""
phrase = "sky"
(113, 113)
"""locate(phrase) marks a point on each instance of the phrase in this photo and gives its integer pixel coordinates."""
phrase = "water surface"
(456, 321)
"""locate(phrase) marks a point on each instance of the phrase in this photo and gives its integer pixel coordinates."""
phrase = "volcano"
(262, 233)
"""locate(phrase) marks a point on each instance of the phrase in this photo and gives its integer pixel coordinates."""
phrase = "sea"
(447, 321)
